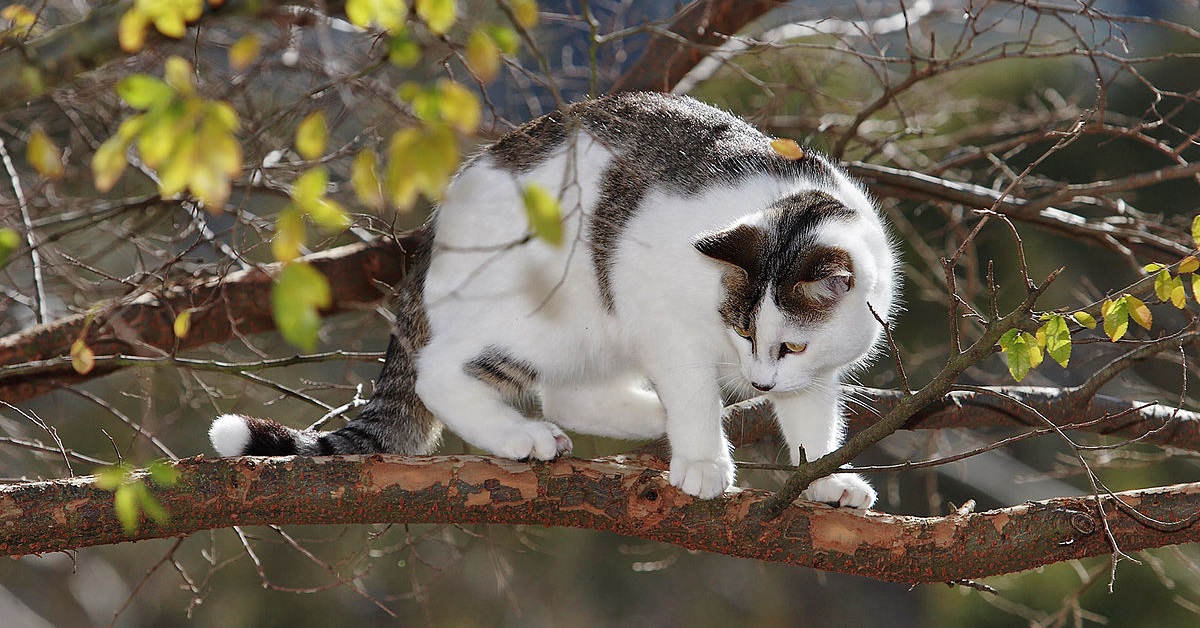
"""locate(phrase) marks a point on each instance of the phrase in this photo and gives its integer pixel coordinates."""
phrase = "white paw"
(533, 439)
(841, 489)
(705, 479)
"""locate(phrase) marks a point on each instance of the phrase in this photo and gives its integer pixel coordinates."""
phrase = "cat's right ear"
(739, 245)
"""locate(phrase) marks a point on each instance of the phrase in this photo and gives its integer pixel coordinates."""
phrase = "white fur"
(488, 284)
(229, 435)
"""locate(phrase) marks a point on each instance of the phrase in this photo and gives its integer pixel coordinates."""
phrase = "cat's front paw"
(841, 489)
(534, 440)
(705, 479)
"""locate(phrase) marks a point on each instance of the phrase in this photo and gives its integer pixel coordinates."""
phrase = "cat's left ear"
(740, 245)
(830, 277)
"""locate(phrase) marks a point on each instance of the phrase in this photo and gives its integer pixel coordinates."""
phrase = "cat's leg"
(466, 392)
(686, 382)
(619, 408)
(812, 418)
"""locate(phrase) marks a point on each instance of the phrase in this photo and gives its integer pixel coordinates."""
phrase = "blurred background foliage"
(980, 119)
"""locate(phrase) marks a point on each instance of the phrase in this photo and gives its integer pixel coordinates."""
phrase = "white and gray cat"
(695, 260)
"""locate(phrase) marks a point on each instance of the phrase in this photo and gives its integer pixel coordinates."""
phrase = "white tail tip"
(229, 435)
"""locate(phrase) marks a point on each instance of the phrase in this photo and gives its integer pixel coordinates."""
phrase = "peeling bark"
(618, 494)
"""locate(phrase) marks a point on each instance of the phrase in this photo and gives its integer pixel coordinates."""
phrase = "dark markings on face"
(806, 278)
(501, 371)
(663, 140)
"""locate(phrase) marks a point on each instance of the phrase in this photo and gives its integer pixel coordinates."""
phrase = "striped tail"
(393, 421)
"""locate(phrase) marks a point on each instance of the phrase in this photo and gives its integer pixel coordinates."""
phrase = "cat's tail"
(393, 421)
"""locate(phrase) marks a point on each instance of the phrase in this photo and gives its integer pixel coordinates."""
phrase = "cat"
(694, 258)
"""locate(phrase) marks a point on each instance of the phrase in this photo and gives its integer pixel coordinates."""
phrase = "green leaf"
(1085, 319)
(178, 74)
(505, 37)
(1196, 231)
(310, 186)
(1021, 352)
(1195, 286)
(1162, 285)
(150, 505)
(109, 478)
(312, 136)
(299, 292)
(163, 473)
(1057, 339)
(9, 241)
(544, 213)
(125, 502)
(290, 234)
(403, 50)
(142, 91)
(1116, 318)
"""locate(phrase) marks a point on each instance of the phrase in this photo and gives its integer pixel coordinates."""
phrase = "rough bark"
(617, 495)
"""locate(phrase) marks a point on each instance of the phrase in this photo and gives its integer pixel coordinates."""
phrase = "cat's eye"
(792, 347)
(743, 332)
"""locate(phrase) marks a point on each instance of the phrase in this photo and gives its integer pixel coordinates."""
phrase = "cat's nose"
(762, 387)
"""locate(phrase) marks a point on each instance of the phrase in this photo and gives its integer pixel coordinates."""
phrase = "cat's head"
(792, 305)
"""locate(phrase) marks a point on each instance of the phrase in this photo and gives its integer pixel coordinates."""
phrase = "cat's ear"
(739, 245)
(830, 276)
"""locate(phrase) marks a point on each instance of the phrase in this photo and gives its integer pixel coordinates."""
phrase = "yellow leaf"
(289, 235)
(390, 15)
(483, 55)
(1189, 264)
(211, 187)
(131, 31)
(310, 186)
(438, 15)
(1116, 318)
(243, 52)
(364, 176)
(1085, 319)
(459, 106)
(178, 74)
(1178, 296)
(183, 324)
(526, 12)
(82, 358)
(1196, 231)
(1138, 311)
(545, 216)
(109, 163)
(788, 148)
(311, 136)
(179, 171)
(44, 155)
(1196, 287)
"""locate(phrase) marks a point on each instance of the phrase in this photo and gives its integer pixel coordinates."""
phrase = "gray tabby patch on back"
(659, 140)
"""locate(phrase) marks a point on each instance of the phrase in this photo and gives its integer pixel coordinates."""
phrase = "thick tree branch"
(612, 495)
(694, 32)
(221, 306)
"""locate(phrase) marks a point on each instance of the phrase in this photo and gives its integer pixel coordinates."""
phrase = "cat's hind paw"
(705, 479)
(847, 490)
(534, 440)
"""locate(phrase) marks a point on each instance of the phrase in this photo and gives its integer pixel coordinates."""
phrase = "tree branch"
(221, 306)
(694, 31)
(616, 496)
